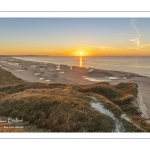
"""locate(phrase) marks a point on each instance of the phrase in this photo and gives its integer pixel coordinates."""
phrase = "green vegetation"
(67, 108)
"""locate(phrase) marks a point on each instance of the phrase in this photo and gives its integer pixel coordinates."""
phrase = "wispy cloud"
(141, 47)
(145, 46)
(97, 46)
(100, 47)
(137, 39)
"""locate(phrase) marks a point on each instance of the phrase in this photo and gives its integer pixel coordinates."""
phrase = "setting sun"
(80, 53)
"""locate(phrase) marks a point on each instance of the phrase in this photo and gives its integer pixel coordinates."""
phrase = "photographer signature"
(10, 120)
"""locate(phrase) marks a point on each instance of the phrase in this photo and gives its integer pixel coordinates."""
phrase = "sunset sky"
(71, 36)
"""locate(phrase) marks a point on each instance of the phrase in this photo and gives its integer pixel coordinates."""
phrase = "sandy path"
(98, 106)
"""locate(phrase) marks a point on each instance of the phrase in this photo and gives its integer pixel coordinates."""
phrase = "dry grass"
(8, 79)
(142, 122)
(104, 89)
(127, 88)
(66, 108)
(57, 113)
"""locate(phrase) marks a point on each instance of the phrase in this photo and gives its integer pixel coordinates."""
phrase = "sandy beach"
(51, 73)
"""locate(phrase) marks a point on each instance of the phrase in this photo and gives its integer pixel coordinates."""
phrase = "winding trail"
(118, 124)
(98, 106)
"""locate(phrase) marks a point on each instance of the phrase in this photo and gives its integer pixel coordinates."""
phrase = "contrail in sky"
(133, 22)
(136, 40)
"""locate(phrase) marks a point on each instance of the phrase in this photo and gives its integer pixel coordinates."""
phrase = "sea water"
(138, 65)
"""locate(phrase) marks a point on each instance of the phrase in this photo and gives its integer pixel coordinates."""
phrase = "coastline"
(31, 71)
(143, 84)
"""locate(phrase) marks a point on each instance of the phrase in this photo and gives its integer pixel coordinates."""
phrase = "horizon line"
(80, 56)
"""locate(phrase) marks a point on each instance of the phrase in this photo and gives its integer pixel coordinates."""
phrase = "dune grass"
(67, 108)
(56, 113)
(8, 79)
